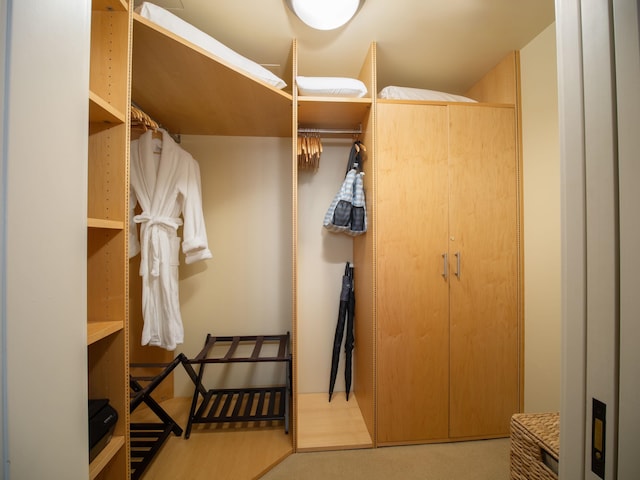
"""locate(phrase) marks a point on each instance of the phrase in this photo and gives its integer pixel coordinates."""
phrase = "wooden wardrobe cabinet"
(447, 260)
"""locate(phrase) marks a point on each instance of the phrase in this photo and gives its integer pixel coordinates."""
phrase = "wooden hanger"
(141, 119)
(309, 149)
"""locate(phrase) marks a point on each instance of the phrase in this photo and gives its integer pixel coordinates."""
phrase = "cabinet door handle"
(445, 273)
(457, 254)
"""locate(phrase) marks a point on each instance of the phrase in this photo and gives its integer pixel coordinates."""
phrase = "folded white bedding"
(175, 24)
(407, 93)
(331, 86)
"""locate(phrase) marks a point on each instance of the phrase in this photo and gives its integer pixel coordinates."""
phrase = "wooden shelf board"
(102, 112)
(105, 456)
(335, 425)
(98, 330)
(104, 223)
(340, 113)
(190, 91)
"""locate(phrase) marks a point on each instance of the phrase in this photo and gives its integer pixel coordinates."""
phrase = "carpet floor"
(477, 460)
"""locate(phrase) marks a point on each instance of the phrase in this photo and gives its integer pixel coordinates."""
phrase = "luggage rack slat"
(238, 405)
(258, 342)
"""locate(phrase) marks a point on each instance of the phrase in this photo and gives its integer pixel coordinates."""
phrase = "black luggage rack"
(148, 437)
(253, 404)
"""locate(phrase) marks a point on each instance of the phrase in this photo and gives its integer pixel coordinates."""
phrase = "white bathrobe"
(165, 181)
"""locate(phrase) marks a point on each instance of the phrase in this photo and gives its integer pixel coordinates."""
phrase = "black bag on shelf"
(102, 422)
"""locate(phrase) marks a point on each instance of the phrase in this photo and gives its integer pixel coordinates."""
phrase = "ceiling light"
(325, 14)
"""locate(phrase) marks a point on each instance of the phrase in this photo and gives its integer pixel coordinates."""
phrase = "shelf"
(168, 85)
(107, 207)
(110, 5)
(98, 330)
(103, 223)
(338, 113)
(102, 112)
(105, 456)
(335, 425)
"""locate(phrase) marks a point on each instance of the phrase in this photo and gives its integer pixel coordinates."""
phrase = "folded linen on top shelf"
(331, 86)
(407, 93)
(174, 24)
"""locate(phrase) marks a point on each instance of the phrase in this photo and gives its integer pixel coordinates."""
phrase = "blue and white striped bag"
(338, 217)
(347, 212)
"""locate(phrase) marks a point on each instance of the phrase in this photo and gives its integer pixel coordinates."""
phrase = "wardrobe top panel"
(190, 91)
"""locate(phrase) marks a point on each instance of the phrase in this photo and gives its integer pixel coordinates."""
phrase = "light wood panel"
(323, 112)
(102, 460)
(107, 173)
(500, 84)
(104, 382)
(412, 294)
(102, 223)
(107, 209)
(334, 425)
(364, 265)
(368, 73)
(97, 330)
(364, 277)
(483, 228)
(110, 57)
(105, 278)
(204, 95)
(294, 252)
(100, 111)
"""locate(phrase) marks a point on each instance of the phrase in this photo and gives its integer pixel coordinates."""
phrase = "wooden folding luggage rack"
(251, 404)
(148, 437)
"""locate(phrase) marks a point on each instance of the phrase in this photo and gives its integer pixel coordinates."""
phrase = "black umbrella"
(345, 317)
(349, 341)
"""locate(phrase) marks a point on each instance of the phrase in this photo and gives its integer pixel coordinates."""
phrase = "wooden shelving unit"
(319, 424)
(107, 204)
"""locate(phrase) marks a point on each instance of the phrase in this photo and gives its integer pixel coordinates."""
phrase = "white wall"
(246, 288)
(44, 253)
(541, 186)
(322, 257)
(246, 186)
(627, 40)
(3, 204)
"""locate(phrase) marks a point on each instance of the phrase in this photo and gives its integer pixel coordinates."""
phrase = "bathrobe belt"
(152, 226)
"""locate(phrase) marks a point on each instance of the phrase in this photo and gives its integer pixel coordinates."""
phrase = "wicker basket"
(534, 446)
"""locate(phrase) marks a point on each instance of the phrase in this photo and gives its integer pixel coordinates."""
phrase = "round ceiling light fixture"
(325, 14)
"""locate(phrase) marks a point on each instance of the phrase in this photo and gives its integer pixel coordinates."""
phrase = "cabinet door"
(412, 299)
(484, 230)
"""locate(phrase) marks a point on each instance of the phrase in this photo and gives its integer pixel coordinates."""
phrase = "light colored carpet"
(478, 460)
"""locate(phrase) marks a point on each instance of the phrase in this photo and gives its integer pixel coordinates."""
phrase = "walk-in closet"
(276, 270)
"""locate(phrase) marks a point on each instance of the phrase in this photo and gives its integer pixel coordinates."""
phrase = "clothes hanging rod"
(332, 131)
(149, 122)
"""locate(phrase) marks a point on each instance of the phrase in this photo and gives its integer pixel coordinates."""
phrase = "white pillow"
(407, 93)
(331, 86)
(175, 24)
